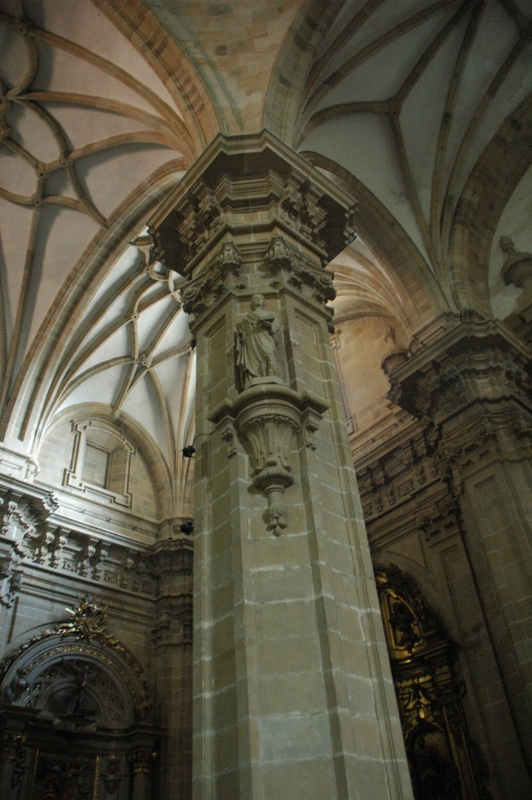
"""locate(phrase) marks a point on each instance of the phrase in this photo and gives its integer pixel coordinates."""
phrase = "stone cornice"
(244, 185)
(474, 360)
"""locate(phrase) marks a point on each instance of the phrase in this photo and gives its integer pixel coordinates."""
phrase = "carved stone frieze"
(28, 537)
(399, 475)
(267, 418)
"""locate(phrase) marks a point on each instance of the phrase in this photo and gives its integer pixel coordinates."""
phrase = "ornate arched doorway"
(76, 716)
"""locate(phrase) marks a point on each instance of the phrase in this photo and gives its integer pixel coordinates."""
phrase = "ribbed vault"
(417, 108)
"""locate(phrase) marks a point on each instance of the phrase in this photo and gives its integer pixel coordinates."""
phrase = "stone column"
(293, 695)
(172, 637)
(471, 384)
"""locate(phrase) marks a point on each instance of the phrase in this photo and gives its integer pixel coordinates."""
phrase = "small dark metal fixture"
(187, 527)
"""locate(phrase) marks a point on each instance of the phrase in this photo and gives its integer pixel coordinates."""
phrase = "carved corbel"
(278, 256)
(267, 418)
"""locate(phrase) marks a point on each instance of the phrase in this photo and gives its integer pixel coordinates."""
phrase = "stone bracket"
(266, 417)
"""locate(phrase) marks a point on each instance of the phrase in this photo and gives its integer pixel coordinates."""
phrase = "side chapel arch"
(444, 761)
(76, 712)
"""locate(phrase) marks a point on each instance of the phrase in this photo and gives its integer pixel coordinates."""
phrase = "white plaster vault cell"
(98, 123)
(404, 152)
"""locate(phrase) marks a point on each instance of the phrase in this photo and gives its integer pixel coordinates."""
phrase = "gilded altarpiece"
(444, 761)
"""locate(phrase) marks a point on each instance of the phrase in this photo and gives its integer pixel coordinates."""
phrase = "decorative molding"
(90, 433)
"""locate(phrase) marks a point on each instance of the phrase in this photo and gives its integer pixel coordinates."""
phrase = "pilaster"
(172, 638)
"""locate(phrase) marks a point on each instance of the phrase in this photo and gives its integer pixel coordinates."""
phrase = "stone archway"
(77, 716)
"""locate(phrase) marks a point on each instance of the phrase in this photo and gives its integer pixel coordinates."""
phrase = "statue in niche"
(255, 345)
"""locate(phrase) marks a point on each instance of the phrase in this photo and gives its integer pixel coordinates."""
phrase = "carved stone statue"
(255, 344)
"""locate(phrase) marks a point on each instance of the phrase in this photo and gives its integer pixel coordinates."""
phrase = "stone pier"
(293, 696)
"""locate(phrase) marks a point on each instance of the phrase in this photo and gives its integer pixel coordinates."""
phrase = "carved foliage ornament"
(210, 282)
(267, 417)
(281, 257)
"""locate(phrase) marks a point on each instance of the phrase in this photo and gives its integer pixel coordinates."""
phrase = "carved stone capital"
(251, 183)
(472, 388)
(476, 360)
(267, 418)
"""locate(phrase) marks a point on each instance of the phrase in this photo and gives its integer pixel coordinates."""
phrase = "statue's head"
(257, 301)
